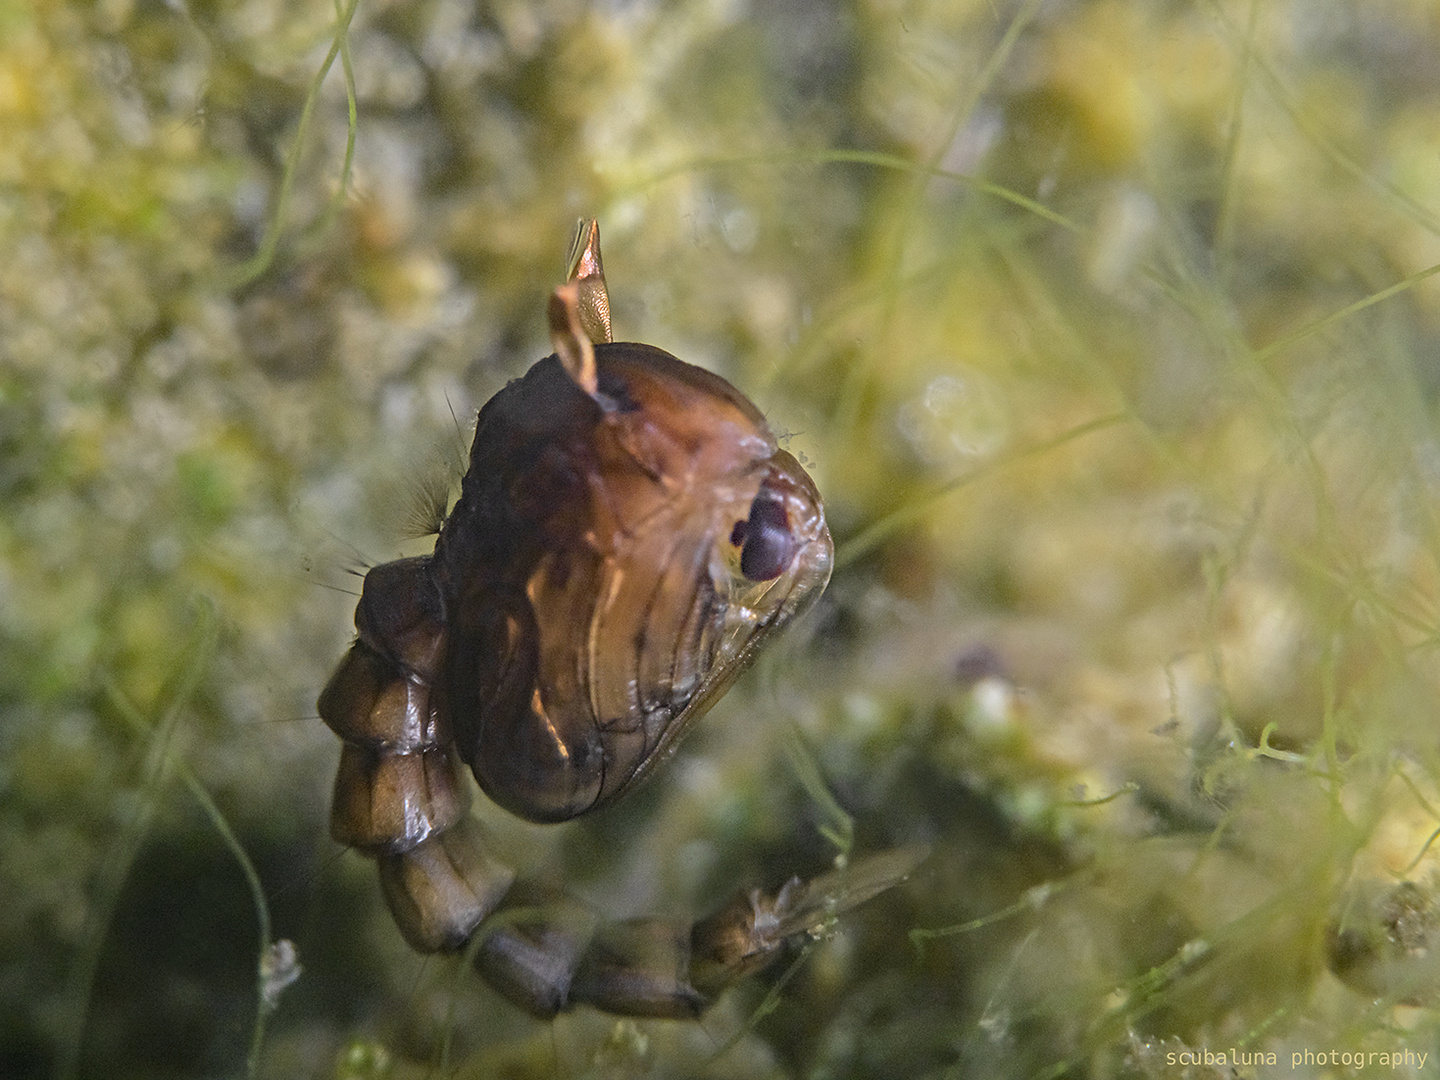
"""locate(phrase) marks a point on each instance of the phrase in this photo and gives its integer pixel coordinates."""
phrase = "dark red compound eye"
(767, 545)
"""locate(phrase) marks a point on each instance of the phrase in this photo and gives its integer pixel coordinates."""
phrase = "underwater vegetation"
(1109, 332)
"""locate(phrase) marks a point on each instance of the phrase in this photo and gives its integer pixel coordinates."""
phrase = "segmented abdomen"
(587, 599)
(399, 800)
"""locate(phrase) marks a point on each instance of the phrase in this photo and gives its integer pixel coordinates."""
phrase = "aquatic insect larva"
(628, 536)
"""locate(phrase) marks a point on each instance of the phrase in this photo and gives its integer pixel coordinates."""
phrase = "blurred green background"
(1107, 331)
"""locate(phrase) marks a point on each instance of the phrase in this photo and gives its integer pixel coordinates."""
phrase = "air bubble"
(956, 418)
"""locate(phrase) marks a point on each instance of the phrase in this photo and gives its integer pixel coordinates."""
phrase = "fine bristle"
(429, 503)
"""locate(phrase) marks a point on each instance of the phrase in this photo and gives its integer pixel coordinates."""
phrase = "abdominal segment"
(399, 800)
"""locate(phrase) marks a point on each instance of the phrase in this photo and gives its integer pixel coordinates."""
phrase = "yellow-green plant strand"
(768, 1004)
(877, 532)
(836, 825)
(1226, 217)
(1315, 131)
(888, 273)
(1264, 353)
(1033, 899)
(342, 189)
(922, 171)
(258, 263)
(170, 707)
(263, 1007)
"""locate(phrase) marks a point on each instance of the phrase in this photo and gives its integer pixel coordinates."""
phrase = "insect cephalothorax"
(628, 536)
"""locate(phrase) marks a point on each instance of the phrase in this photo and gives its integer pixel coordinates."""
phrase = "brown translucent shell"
(595, 603)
